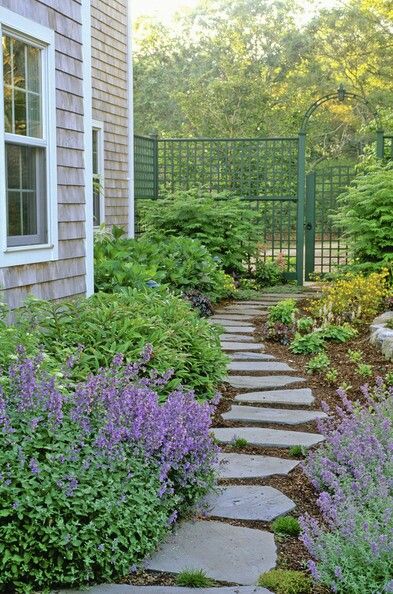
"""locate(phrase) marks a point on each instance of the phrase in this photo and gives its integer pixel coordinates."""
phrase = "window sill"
(28, 254)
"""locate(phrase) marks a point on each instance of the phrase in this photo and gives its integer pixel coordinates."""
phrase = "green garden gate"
(293, 208)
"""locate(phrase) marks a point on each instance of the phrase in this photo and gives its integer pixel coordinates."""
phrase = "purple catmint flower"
(34, 466)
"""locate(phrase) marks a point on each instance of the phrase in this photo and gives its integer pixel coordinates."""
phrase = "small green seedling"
(297, 451)
(355, 356)
(318, 363)
(365, 370)
(286, 525)
(331, 376)
(239, 442)
(285, 581)
(194, 578)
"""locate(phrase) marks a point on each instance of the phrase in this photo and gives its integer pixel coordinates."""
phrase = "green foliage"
(105, 325)
(194, 578)
(355, 356)
(331, 376)
(365, 370)
(181, 263)
(287, 525)
(285, 581)
(366, 215)
(268, 274)
(11, 337)
(389, 323)
(297, 451)
(283, 312)
(224, 225)
(307, 344)
(239, 443)
(318, 363)
(338, 333)
(305, 324)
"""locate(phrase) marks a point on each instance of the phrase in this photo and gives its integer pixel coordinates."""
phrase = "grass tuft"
(194, 578)
(287, 525)
(297, 451)
(240, 442)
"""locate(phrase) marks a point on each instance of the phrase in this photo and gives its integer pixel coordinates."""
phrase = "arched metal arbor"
(340, 95)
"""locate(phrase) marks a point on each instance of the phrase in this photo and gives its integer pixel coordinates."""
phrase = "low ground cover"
(92, 476)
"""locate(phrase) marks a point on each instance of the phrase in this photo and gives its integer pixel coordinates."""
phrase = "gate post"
(380, 144)
(301, 189)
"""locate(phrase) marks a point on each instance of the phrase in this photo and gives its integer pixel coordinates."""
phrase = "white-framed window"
(98, 172)
(28, 185)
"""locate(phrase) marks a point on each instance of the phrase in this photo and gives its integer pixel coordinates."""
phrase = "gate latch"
(309, 226)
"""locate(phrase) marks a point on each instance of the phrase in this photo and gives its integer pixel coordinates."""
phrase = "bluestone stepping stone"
(233, 318)
(258, 366)
(228, 337)
(297, 396)
(248, 502)
(241, 466)
(239, 329)
(255, 414)
(262, 382)
(249, 311)
(128, 589)
(275, 438)
(225, 552)
(230, 323)
(251, 357)
(241, 346)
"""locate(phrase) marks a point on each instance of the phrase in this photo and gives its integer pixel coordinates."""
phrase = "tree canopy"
(242, 68)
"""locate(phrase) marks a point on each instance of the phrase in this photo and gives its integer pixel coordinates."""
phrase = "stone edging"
(381, 335)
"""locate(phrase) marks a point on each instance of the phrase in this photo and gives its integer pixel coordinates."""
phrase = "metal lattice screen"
(145, 167)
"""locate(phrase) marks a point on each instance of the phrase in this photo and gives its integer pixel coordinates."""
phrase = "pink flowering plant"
(91, 478)
(352, 549)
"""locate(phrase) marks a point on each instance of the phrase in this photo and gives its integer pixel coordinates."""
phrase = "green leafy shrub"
(338, 333)
(224, 225)
(307, 344)
(182, 263)
(318, 363)
(284, 312)
(365, 214)
(297, 451)
(268, 274)
(193, 578)
(287, 525)
(104, 325)
(285, 581)
(305, 324)
(365, 370)
(93, 477)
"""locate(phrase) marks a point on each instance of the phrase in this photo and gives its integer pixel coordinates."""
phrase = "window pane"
(7, 60)
(20, 112)
(26, 195)
(19, 64)
(22, 88)
(13, 167)
(14, 213)
(95, 151)
(33, 69)
(8, 109)
(34, 116)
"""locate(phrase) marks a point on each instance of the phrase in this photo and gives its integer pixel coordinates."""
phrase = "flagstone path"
(235, 554)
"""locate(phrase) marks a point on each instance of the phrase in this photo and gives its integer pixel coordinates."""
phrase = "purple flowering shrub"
(353, 471)
(92, 478)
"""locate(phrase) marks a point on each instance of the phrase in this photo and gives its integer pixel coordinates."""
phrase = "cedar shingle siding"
(66, 276)
(109, 74)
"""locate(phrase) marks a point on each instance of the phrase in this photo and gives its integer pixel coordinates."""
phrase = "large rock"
(260, 383)
(269, 438)
(248, 502)
(242, 466)
(225, 552)
(255, 414)
(300, 396)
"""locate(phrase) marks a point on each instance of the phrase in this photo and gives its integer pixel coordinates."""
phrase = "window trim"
(99, 127)
(43, 37)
